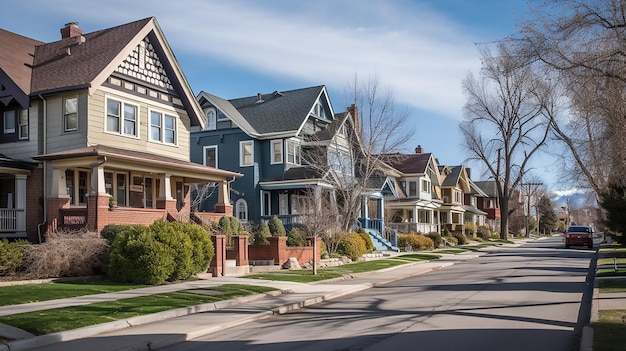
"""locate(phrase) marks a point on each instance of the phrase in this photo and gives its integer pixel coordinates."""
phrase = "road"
(536, 297)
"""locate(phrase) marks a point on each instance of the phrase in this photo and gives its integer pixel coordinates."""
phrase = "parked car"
(579, 235)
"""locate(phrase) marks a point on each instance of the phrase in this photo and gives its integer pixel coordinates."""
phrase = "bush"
(460, 238)
(66, 254)
(137, 257)
(202, 246)
(111, 230)
(174, 237)
(351, 245)
(369, 245)
(296, 237)
(483, 232)
(11, 255)
(415, 242)
(446, 232)
(436, 238)
(276, 227)
(470, 228)
(261, 234)
(451, 240)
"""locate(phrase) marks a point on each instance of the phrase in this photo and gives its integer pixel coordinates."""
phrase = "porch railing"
(372, 223)
(9, 220)
(423, 228)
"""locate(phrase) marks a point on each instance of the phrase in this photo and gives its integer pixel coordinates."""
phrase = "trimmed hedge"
(261, 234)
(296, 237)
(276, 227)
(415, 242)
(352, 245)
(369, 245)
(161, 252)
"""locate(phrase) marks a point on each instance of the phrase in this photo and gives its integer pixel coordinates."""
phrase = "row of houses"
(103, 127)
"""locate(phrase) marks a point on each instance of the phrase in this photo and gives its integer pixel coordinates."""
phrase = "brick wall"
(278, 251)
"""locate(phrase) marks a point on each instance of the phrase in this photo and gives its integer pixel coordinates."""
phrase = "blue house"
(272, 139)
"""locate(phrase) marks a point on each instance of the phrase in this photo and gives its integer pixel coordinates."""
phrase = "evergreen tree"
(614, 202)
(547, 216)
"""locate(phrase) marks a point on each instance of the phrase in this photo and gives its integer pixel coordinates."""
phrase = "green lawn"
(68, 318)
(27, 293)
(608, 331)
(451, 251)
(610, 272)
(609, 261)
(306, 276)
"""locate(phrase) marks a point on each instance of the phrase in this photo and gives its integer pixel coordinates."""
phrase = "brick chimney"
(419, 149)
(354, 111)
(71, 30)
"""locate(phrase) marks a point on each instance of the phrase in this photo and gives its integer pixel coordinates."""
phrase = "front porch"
(19, 183)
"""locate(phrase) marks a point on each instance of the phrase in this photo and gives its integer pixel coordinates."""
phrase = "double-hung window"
(210, 156)
(293, 152)
(70, 114)
(122, 117)
(277, 151)
(23, 124)
(9, 122)
(162, 127)
(246, 152)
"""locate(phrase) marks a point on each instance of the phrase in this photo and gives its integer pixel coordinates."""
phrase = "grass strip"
(609, 261)
(608, 331)
(68, 318)
(27, 293)
(611, 272)
(612, 286)
(451, 251)
(306, 276)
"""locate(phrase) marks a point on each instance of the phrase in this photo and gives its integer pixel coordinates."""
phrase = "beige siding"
(57, 139)
(98, 136)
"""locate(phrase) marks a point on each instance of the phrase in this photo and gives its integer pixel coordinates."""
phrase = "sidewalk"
(169, 327)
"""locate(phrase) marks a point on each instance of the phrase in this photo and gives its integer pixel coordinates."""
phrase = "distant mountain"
(573, 198)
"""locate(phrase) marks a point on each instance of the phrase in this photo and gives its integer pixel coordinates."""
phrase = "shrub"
(111, 230)
(66, 254)
(415, 242)
(351, 245)
(470, 228)
(202, 246)
(460, 238)
(261, 234)
(436, 238)
(296, 237)
(174, 237)
(451, 240)
(276, 227)
(483, 232)
(446, 232)
(11, 255)
(369, 244)
(137, 257)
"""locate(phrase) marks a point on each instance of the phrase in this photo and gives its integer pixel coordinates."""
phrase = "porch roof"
(112, 156)
(412, 203)
(10, 164)
(294, 184)
(474, 210)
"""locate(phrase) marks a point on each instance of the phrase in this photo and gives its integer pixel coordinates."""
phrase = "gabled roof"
(488, 187)
(278, 114)
(411, 163)
(86, 61)
(16, 60)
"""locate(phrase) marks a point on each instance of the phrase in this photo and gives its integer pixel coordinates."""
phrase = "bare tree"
(200, 193)
(507, 118)
(585, 43)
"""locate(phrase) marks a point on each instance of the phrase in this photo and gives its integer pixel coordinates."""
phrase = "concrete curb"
(48, 339)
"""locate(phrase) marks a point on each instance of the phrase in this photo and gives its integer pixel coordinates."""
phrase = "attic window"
(318, 110)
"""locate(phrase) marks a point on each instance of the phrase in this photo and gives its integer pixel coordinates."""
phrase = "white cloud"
(416, 51)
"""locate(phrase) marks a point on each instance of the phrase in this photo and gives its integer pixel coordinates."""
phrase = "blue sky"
(420, 49)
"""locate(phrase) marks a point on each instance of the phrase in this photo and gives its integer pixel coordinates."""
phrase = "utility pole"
(531, 188)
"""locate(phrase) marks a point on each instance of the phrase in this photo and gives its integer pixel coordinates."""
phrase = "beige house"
(107, 117)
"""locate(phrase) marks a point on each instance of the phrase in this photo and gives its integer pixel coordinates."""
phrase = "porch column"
(97, 181)
(415, 215)
(166, 187)
(20, 201)
(381, 215)
(59, 184)
(98, 201)
(223, 198)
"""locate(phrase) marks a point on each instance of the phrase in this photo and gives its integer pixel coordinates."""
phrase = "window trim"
(66, 114)
(241, 153)
(296, 151)
(22, 113)
(273, 154)
(163, 115)
(211, 122)
(122, 118)
(244, 203)
(6, 118)
(204, 151)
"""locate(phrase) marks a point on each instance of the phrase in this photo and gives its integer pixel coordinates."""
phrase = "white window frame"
(122, 118)
(273, 152)
(67, 114)
(283, 204)
(292, 147)
(426, 188)
(22, 121)
(211, 119)
(163, 116)
(204, 154)
(8, 115)
(458, 196)
(412, 191)
(242, 155)
(243, 204)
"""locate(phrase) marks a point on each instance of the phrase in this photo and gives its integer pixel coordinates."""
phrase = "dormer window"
(211, 119)
(318, 110)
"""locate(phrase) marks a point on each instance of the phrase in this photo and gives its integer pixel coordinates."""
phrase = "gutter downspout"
(45, 167)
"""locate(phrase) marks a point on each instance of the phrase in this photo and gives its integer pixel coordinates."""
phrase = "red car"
(579, 235)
